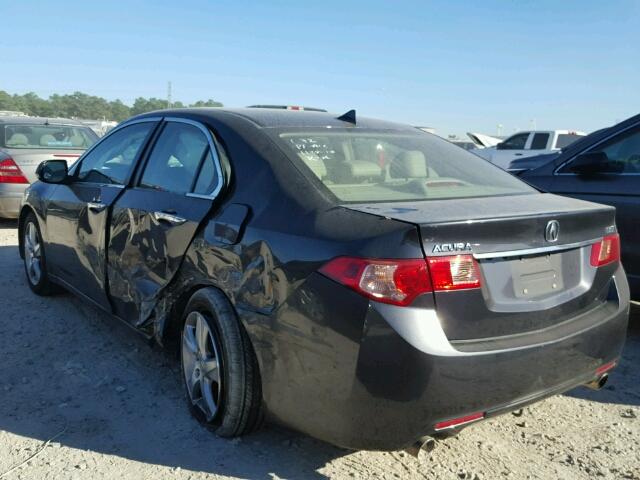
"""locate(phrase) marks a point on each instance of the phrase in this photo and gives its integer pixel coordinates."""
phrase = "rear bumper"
(402, 376)
(11, 199)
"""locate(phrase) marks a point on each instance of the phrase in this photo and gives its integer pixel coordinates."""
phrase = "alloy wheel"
(201, 364)
(33, 253)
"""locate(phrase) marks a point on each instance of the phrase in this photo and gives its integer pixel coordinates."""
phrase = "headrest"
(77, 140)
(409, 164)
(18, 139)
(360, 169)
(47, 139)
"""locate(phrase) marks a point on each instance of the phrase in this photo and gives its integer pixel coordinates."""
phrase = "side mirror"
(589, 163)
(52, 171)
(500, 146)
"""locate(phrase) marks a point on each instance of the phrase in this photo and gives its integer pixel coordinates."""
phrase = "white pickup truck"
(527, 144)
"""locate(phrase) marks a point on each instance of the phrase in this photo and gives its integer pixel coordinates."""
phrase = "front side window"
(371, 166)
(516, 142)
(539, 141)
(112, 159)
(176, 160)
(619, 155)
(47, 137)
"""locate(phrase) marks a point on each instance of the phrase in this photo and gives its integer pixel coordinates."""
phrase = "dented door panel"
(150, 232)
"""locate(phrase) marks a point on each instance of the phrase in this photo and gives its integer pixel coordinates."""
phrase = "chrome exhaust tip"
(598, 383)
(426, 444)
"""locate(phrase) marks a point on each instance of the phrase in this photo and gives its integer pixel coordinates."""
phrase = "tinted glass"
(112, 159)
(208, 178)
(175, 159)
(517, 142)
(565, 139)
(48, 137)
(370, 166)
(540, 141)
(621, 154)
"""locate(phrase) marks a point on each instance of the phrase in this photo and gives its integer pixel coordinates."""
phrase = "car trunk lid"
(532, 277)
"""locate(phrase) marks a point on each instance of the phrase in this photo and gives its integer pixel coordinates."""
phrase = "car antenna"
(350, 117)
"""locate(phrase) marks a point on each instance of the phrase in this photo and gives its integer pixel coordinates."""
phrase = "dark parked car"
(603, 167)
(358, 280)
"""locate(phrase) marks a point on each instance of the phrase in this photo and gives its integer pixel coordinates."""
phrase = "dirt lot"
(66, 367)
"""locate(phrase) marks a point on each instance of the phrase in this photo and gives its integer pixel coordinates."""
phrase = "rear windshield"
(48, 137)
(371, 166)
(566, 139)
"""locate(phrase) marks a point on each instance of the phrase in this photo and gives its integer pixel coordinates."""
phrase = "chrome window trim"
(532, 251)
(606, 139)
(214, 152)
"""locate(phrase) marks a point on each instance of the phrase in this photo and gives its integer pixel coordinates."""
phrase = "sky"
(454, 66)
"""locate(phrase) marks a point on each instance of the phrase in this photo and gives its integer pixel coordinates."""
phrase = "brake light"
(10, 172)
(606, 251)
(457, 422)
(399, 282)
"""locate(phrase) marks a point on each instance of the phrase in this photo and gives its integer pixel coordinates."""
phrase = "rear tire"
(219, 367)
(35, 264)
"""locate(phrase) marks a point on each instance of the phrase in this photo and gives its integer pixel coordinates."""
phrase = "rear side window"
(379, 166)
(48, 137)
(112, 159)
(540, 141)
(181, 161)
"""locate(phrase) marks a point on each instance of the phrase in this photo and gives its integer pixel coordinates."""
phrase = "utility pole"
(169, 94)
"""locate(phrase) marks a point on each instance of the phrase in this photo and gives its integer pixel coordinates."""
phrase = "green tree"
(83, 106)
(208, 103)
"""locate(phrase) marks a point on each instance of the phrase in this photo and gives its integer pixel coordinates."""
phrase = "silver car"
(27, 141)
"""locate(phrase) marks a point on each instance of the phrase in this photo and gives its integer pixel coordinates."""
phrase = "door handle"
(168, 218)
(96, 206)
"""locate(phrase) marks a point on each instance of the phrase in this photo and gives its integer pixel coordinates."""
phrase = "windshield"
(370, 166)
(49, 137)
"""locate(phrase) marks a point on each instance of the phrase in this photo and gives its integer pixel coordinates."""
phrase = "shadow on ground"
(65, 364)
(8, 224)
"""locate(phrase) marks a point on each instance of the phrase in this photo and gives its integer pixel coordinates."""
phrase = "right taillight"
(10, 172)
(606, 251)
(400, 281)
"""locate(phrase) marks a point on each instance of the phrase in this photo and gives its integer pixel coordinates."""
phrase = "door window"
(540, 141)
(516, 142)
(181, 155)
(621, 154)
(113, 158)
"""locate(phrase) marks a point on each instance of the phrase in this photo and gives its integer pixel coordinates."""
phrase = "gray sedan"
(27, 141)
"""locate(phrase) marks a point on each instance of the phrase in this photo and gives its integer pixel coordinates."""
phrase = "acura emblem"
(552, 231)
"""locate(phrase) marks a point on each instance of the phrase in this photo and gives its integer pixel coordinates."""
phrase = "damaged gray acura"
(361, 281)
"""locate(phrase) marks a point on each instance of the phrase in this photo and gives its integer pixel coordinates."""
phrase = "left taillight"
(10, 172)
(400, 281)
(606, 251)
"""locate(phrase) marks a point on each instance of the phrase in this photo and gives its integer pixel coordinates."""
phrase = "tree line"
(83, 106)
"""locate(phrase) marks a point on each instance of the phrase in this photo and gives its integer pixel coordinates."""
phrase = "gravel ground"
(116, 406)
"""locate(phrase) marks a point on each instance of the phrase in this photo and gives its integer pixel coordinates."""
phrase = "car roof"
(279, 118)
(39, 120)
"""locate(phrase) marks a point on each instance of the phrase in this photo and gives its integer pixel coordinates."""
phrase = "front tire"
(219, 368)
(35, 264)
